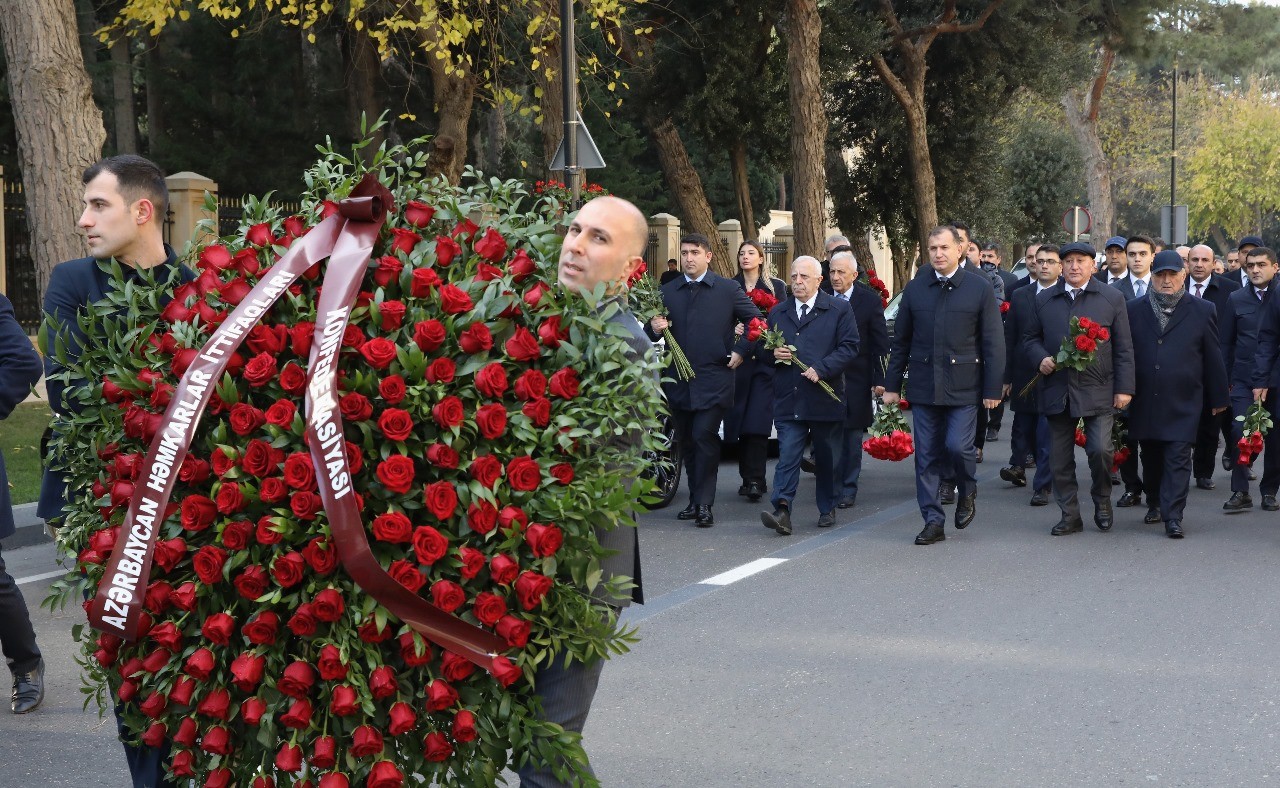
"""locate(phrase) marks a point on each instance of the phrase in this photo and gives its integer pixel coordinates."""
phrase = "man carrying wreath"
(1092, 394)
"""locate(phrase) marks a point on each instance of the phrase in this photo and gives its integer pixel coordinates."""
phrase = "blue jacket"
(74, 285)
(951, 338)
(702, 316)
(827, 340)
(867, 369)
(1092, 391)
(19, 370)
(1018, 371)
(1124, 284)
(1179, 371)
(1238, 335)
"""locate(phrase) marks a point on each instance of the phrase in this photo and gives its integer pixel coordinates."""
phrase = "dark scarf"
(1163, 304)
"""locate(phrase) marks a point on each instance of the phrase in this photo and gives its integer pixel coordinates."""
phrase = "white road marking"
(746, 570)
(37, 578)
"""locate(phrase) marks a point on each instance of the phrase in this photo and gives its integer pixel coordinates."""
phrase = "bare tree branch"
(895, 85)
(946, 23)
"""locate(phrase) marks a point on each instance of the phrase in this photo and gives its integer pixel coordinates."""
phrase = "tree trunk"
(742, 188)
(903, 261)
(808, 126)
(861, 249)
(909, 92)
(152, 63)
(782, 191)
(1082, 109)
(124, 120)
(686, 186)
(60, 131)
(547, 76)
(363, 68)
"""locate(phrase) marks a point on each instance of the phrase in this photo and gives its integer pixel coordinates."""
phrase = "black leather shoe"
(1151, 517)
(704, 519)
(808, 465)
(742, 488)
(1015, 475)
(1040, 498)
(1226, 463)
(847, 502)
(1129, 499)
(932, 532)
(1269, 504)
(966, 508)
(754, 493)
(947, 494)
(1238, 502)
(1063, 528)
(28, 689)
(826, 520)
(1102, 517)
(779, 520)
(1205, 484)
(687, 513)
(993, 433)
(1173, 529)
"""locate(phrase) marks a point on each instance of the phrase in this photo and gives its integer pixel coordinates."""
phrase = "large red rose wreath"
(482, 410)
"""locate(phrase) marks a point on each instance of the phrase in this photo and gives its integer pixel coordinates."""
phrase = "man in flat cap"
(1093, 394)
(1179, 371)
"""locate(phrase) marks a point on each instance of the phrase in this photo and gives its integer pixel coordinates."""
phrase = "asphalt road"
(1000, 657)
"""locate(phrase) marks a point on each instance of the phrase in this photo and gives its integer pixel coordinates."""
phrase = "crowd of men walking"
(1183, 343)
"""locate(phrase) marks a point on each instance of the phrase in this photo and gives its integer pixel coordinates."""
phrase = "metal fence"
(20, 266)
(231, 211)
(776, 254)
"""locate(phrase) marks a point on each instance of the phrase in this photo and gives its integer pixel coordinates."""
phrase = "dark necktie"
(804, 310)
(1199, 290)
(1073, 292)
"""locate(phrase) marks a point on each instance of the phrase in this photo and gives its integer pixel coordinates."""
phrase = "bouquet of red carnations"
(763, 300)
(646, 301)
(1078, 350)
(1119, 451)
(890, 436)
(1256, 424)
(877, 284)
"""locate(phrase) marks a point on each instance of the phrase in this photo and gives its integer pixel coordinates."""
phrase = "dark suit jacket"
(952, 340)
(826, 340)
(867, 369)
(1018, 372)
(74, 285)
(1216, 291)
(1238, 334)
(1092, 391)
(1266, 370)
(703, 315)
(1124, 285)
(1179, 371)
(753, 383)
(20, 368)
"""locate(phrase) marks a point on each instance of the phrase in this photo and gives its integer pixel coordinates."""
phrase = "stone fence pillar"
(786, 235)
(731, 234)
(187, 209)
(666, 228)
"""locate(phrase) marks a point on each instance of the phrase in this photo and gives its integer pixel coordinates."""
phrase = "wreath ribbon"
(346, 238)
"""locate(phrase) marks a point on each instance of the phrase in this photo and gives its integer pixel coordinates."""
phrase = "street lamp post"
(569, 80)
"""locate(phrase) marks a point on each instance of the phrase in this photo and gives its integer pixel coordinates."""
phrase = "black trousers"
(17, 636)
(1129, 468)
(1270, 484)
(996, 417)
(753, 454)
(1062, 459)
(1205, 454)
(1166, 467)
(699, 435)
(566, 694)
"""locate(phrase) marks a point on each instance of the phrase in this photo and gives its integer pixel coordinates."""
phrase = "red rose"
(214, 256)
(551, 333)
(329, 605)
(402, 719)
(428, 335)
(564, 384)
(355, 406)
(505, 672)
(282, 412)
(324, 752)
(538, 411)
(524, 474)
(533, 297)
(384, 774)
(305, 504)
(200, 664)
(379, 352)
(154, 705)
(155, 734)
(258, 458)
(482, 517)
(472, 562)
(543, 540)
(208, 562)
(230, 500)
(488, 608)
(392, 527)
(407, 575)
(392, 314)
(260, 235)
(301, 336)
(421, 281)
(522, 266)
(183, 689)
(485, 469)
(247, 670)
(298, 716)
(289, 758)
(383, 683)
(392, 389)
(388, 270)
(454, 667)
(320, 555)
(448, 412)
(492, 247)
(260, 370)
(522, 346)
(532, 384)
(299, 473)
(441, 371)
(447, 595)
(396, 424)
(440, 695)
(418, 213)
(492, 420)
(442, 456)
(476, 339)
(344, 702)
(330, 664)
(198, 512)
(429, 544)
(531, 587)
(222, 462)
(217, 741)
(396, 473)
(503, 569)
(298, 679)
(1085, 344)
(446, 249)
(218, 628)
(415, 651)
(288, 568)
(272, 490)
(193, 471)
(184, 596)
(441, 499)
(403, 240)
(454, 300)
(366, 740)
(436, 747)
(1103, 334)
(514, 631)
(251, 583)
(563, 472)
(491, 380)
(252, 710)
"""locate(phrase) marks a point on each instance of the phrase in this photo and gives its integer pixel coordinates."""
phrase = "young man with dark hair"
(1203, 283)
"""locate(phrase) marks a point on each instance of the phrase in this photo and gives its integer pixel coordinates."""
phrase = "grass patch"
(20, 442)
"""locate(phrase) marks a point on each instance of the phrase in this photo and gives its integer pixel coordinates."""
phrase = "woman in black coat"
(752, 416)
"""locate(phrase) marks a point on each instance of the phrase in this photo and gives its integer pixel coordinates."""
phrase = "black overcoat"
(1179, 371)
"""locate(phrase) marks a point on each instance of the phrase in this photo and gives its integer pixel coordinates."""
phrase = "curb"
(30, 529)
